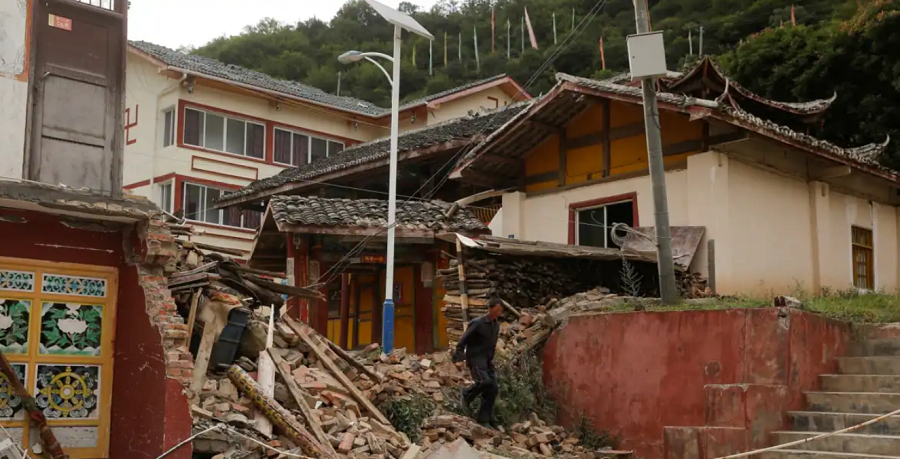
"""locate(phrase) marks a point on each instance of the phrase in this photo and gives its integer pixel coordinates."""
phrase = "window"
(59, 340)
(221, 133)
(165, 197)
(169, 127)
(300, 149)
(863, 258)
(594, 224)
(199, 203)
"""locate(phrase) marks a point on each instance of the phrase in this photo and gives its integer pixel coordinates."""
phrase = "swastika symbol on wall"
(129, 124)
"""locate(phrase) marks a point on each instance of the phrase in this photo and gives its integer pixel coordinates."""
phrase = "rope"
(812, 439)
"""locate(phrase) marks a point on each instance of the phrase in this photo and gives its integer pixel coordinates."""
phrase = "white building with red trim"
(209, 128)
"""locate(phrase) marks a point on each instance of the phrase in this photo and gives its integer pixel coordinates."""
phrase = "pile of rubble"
(530, 438)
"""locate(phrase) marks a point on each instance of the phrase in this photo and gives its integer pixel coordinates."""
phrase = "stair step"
(853, 402)
(860, 383)
(869, 365)
(883, 445)
(874, 347)
(813, 421)
(800, 454)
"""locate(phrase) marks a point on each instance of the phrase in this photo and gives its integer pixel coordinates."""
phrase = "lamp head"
(351, 57)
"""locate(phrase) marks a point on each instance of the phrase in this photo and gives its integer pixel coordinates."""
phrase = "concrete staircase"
(868, 385)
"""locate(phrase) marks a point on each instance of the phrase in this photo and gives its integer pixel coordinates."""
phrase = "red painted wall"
(139, 391)
(633, 374)
(44, 237)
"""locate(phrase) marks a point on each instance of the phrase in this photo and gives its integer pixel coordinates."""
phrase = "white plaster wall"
(13, 115)
(461, 107)
(143, 86)
(13, 86)
(546, 217)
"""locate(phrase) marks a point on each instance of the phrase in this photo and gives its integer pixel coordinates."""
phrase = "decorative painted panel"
(71, 329)
(71, 437)
(68, 391)
(73, 285)
(14, 315)
(16, 281)
(10, 404)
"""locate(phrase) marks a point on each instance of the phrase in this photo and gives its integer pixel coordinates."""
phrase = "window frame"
(172, 138)
(202, 211)
(576, 207)
(309, 140)
(226, 118)
(168, 207)
(869, 251)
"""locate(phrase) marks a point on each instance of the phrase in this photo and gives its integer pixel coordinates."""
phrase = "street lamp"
(400, 21)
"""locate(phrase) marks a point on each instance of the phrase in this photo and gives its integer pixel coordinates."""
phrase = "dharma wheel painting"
(14, 316)
(68, 391)
(10, 403)
(71, 329)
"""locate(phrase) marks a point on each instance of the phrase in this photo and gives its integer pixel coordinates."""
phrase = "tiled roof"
(370, 213)
(457, 129)
(214, 68)
(218, 69)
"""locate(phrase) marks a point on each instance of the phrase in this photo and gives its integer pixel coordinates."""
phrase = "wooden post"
(50, 442)
(266, 375)
(345, 310)
(292, 275)
(463, 292)
(711, 257)
(376, 308)
(192, 315)
(355, 341)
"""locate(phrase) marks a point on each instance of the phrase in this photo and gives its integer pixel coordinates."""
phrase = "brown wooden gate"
(77, 93)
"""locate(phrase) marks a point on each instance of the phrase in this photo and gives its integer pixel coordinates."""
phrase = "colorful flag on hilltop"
(414, 56)
(793, 17)
(530, 30)
(493, 31)
(445, 49)
(602, 55)
(477, 59)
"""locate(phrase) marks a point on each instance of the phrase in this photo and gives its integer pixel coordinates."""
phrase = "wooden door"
(405, 308)
(78, 86)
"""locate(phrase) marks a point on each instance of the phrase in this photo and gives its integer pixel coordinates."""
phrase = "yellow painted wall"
(474, 102)
(628, 154)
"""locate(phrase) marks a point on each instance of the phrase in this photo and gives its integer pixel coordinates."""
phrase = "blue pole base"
(387, 326)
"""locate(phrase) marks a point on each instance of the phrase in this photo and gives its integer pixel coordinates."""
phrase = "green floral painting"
(71, 329)
(14, 316)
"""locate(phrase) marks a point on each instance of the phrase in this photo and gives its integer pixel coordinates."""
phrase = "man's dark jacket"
(478, 342)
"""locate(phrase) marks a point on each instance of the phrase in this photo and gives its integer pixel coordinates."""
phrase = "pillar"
(820, 237)
(513, 213)
(345, 310)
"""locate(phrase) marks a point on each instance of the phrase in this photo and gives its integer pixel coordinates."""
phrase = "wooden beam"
(300, 397)
(597, 138)
(683, 147)
(511, 162)
(336, 372)
(606, 142)
(563, 157)
(349, 359)
(541, 178)
(542, 125)
(345, 309)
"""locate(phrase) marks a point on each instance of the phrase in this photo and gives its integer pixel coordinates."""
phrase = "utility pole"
(339, 85)
(667, 290)
(701, 41)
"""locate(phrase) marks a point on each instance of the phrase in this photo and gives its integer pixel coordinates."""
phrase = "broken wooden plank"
(336, 372)
(200, 269)
(300, 292)
(37, 416)
(300, 397)
(511, 309)
(260, 272)
(275, 412)
(348, 358)
(200, 245)
(192, 315)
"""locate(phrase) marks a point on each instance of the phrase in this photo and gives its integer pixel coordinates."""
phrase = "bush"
(408, 413)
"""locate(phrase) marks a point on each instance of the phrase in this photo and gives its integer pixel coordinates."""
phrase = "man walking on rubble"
(477, 347)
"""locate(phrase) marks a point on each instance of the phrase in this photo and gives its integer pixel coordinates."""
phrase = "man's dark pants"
(486, 385)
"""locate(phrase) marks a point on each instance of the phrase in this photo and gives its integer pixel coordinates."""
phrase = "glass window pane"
(193, 202)
(165, 197)
(618, 213)
(212, 215)
(169, 128)
(590, 227)
(193, 127)
(283, 151)
(256, 140)
(319, 149)
(235, 142)
(301, 150)
(215, 132)
(335, 148)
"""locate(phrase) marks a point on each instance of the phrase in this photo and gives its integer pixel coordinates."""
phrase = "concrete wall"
(14, 48)
(649, 370)
(475, 102)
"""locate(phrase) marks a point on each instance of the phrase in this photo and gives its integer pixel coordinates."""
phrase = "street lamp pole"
(400, 22)
(387, 328)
